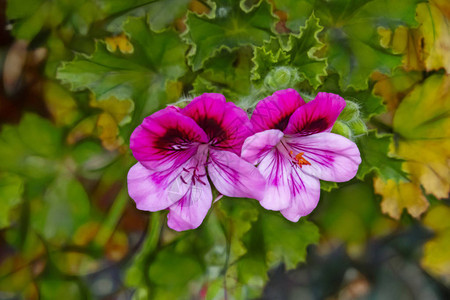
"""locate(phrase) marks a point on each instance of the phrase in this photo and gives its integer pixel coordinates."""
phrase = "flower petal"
(276, 169)
(166, 139)
(274, 111)
(317, 115)
(305, 194)
(192, 208)
(226, 125)
(258, 145)
(151, 190)
(332, 157)
(235, 177)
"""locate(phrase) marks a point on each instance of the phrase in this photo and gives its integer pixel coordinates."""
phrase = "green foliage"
(353, 49)
(374, 154)
(65, 213)
(234, 26)
(141, 75)
(299, 53)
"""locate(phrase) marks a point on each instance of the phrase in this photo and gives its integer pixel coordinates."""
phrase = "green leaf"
(353, 48)
(228, 73)
(32, 16)
(141, 76)
(302, 48)
(30, 148)
(183, 269)
(64, 208)
(374, 150)
(368, 104)
(11, 190)
(160, 13)
(231, 28)
(299, 53)
(352, 215)
(286, 241)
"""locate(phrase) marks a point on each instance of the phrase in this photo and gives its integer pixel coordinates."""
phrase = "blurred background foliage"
(79, 76)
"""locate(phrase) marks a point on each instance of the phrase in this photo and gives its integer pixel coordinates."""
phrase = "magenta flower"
(294, 149)
(178, 149)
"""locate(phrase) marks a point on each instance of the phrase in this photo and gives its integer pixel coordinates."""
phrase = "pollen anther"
(299, 159)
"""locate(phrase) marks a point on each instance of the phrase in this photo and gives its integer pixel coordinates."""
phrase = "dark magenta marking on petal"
(315, 126)
(215, 132)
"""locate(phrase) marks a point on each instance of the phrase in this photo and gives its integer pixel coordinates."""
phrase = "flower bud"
(358, 127)
(281, 78)
(342, 129)
(350, 112)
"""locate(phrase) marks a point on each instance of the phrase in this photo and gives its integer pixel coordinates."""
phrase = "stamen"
(299, 159)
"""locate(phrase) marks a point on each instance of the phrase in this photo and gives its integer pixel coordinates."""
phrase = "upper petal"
(305, 194)
(226, 125)
(192, 208)
(274, 111)
(257, 146)
(166, 138)
(332, 157)
(317, 115)
(235, 177)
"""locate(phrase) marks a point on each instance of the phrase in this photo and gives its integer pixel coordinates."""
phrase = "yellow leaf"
(427, 161)
(60, 103)
(422, 122)
(406, 41)
(82, 130)
(120, 41)
(436, 254)
(108, 132)
(120, 110)
(422, 126)
(435, 27)
(399, 196)
(395, 87)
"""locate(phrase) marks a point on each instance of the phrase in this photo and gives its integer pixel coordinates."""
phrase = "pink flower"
(294, 149)
(178, 149)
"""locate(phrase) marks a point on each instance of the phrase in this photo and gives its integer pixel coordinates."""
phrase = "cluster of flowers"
(288, 140)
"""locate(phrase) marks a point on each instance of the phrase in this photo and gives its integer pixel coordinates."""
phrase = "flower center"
(195, 176)
(299, 159)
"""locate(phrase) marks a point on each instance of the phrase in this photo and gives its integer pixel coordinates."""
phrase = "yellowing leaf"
(120, 110)
(399, 196)
(436, 254)
(435, 27)
(422, 125)
(60, 103)
(428, 163)
(121, 42)
(82, 130)
(393, 88)
(406, 41)
(108, 132)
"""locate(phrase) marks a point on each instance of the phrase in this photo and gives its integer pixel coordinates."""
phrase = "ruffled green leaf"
(353, 47)
(297, 54)
(374, 150)
(231, 28)
(160, 14)
(141, 75)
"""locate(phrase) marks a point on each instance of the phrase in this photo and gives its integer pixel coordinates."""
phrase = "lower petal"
(276, 169)
(151, 190)
(235, 177)
(190, 211)
(305, 193)
(332, 157)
